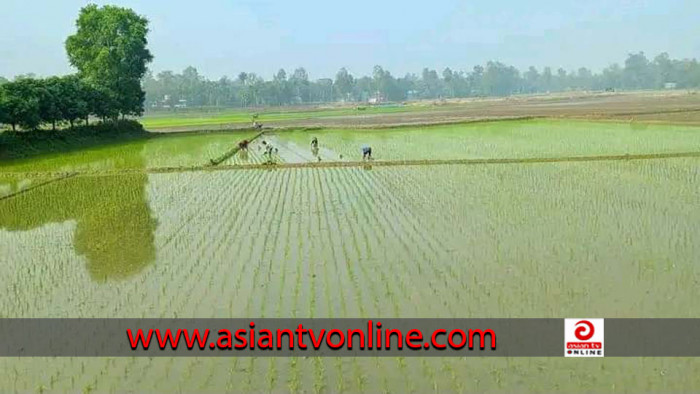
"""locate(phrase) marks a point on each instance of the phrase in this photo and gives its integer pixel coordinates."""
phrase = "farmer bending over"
(366, 152)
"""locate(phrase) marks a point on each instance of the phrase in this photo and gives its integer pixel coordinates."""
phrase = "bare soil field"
(673, 107)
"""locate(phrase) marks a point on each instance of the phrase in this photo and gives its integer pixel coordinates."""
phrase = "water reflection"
(115, 227)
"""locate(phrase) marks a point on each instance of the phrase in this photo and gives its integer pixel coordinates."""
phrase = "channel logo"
(584, 337)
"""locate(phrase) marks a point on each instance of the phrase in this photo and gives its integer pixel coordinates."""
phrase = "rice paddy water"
(614, 239)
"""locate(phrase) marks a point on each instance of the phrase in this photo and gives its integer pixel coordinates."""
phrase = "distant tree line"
(189, 88)
(110, 54)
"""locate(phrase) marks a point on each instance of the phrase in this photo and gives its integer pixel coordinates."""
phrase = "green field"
(157, 121)
(172, 150)
(489, 140)
(610, 239)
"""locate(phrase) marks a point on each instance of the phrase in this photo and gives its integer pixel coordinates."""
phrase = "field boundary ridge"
(366, 164)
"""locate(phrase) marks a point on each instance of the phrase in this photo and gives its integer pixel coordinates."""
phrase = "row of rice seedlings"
(331, 289)
(299, 263)
(253, 260)
(576, 218)
(182, 269)
(224, 238)
(395, 180)
(222, 253)
(399, 229)
(401, 363)
(246, 255)
(194, 273)
(213, 259)
(277, 259)
(470, 213)
(437, 253)
(353, 251)
(381, 200)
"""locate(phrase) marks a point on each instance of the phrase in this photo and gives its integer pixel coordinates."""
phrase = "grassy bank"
(19, 145)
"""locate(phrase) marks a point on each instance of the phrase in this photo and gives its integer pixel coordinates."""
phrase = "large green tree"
(21, 104)
(110, 52)
(74, 95)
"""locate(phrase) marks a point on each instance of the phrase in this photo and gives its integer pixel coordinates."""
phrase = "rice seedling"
(617, 239)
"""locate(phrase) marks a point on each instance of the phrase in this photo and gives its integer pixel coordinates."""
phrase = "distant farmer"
(314, 148)
(366, 152)
(268, 151)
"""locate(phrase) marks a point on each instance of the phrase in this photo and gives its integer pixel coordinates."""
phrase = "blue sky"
(226, 37)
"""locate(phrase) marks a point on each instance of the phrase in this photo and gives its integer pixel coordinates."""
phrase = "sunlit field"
(482, 140)
(174, 150)
(201, 118)
(611, 238)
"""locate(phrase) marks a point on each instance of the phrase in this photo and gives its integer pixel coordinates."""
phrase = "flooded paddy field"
(613, 239)
(173, 150)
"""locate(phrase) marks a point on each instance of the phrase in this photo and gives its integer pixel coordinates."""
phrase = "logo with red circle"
(584, 330)
(584, 337)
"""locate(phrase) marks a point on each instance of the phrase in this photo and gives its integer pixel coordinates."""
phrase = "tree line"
(189, 88)
(109, 51)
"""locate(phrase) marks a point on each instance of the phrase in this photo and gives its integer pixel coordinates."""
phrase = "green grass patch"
(505, 139)
(242, 117)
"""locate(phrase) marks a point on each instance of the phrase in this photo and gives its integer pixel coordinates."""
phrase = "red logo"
(584, 332)
(584, 337)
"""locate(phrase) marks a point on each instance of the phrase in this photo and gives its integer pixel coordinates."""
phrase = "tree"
(637, 73)
(21, 104)
(344, 83)
(500, 80)
(109, 50)
(50, 100)
(3, 106)
(476, 80)
(663, 70)
(430, 84)
(280, 88)
(449, 78)
(612, 77)
(300, 84)
(532, 79)
(75, 94)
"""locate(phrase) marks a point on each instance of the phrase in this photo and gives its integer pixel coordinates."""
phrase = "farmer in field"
(269, 150)
(366, 152)
(314, 148)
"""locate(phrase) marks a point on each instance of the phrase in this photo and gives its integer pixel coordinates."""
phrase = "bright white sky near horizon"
(226, 37)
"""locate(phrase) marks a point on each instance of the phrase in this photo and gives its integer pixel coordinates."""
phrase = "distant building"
(378, 98)
(670, 85)
(182, 103)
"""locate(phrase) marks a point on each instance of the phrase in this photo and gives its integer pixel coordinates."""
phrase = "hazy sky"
(226, 37)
